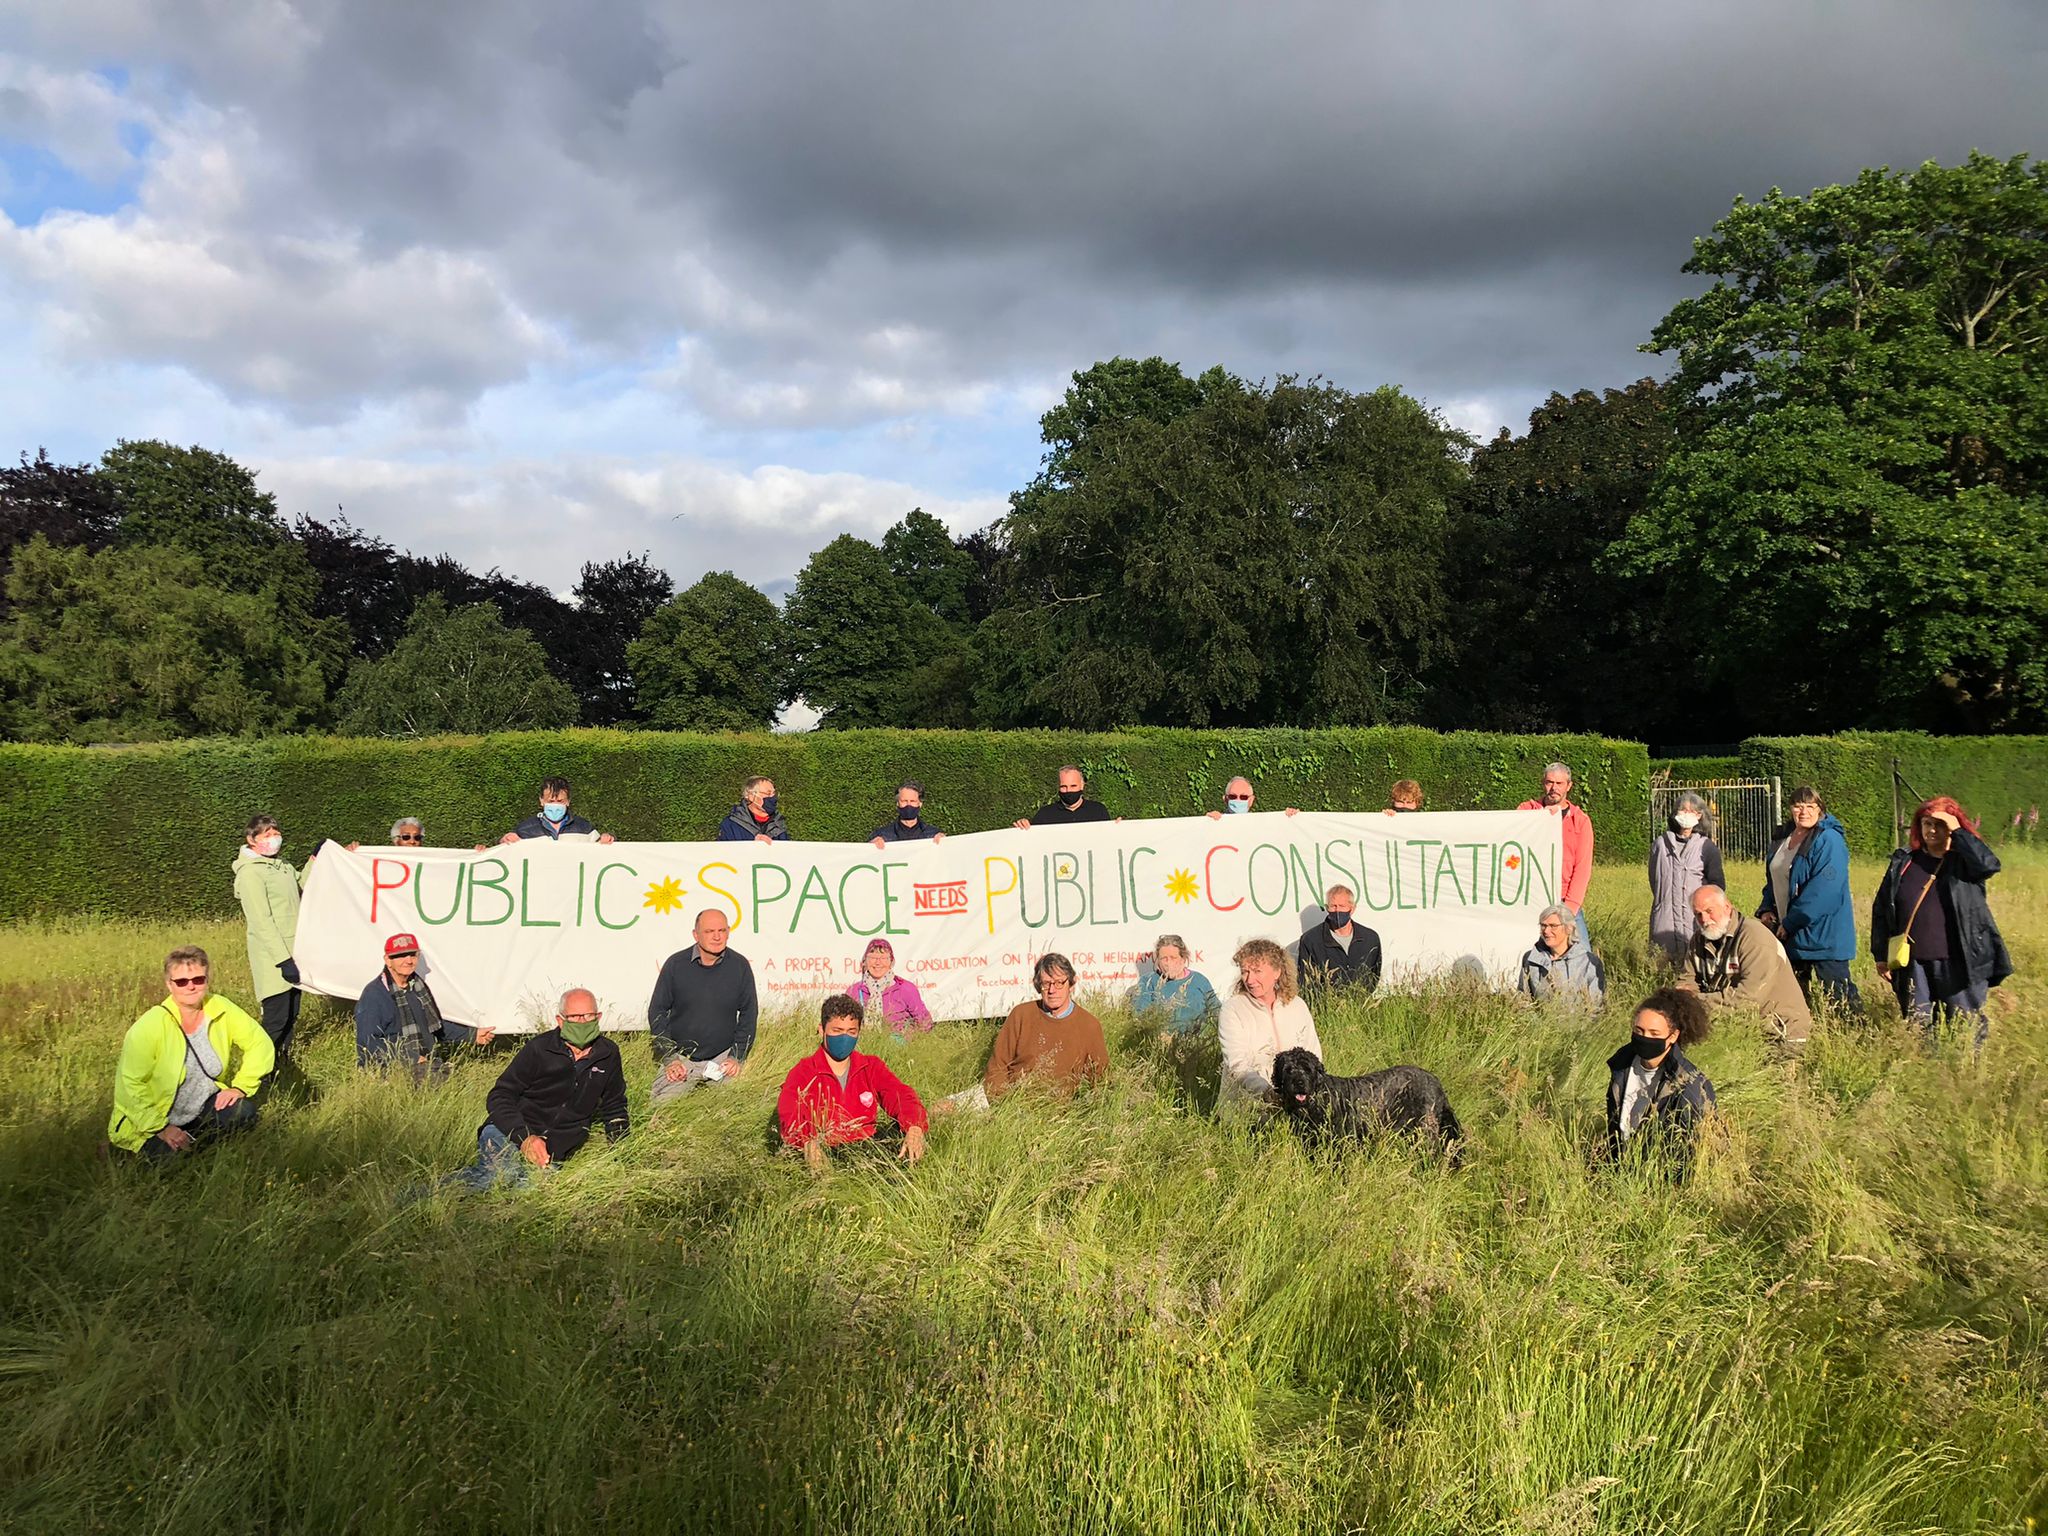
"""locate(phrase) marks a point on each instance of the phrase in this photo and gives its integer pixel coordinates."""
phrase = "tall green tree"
(1223, 553)
(137, 644)
(614, 600)
(857, 641)
(933, 570)
(1857, 493)
(710, 659)
(458, 670)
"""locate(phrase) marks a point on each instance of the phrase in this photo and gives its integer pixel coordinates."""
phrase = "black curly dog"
(1407, 1100)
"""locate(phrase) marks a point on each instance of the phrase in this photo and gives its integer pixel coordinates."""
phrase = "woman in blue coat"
(1806, 901)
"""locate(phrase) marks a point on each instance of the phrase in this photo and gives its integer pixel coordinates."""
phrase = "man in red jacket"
(830, 1097)
(1578, 841)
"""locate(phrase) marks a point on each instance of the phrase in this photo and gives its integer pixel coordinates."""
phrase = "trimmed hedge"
(1694, 770)
(1992, 776)
(152, 830)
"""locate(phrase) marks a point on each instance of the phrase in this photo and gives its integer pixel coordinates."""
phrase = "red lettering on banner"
(940, 899)
(1209, 878)
(378, 885)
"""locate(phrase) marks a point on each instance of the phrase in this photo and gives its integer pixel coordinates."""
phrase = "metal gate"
(1742, 814)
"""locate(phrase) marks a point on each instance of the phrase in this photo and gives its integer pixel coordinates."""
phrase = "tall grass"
(1114, 1315)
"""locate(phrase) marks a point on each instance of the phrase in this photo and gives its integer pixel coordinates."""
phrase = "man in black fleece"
(700, 1021)
(1338, 952)
(542, 1106)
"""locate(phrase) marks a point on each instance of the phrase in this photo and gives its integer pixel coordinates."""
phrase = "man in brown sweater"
(1739, 963)
(1053, 1041)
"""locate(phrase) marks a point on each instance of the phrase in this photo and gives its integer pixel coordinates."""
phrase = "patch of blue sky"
(34, 181)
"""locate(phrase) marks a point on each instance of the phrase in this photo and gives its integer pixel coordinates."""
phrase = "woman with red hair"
(1931, 929)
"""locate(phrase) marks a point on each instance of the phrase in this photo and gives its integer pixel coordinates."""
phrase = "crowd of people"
(194, 1066)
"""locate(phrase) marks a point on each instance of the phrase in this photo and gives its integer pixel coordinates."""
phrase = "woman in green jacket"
(268, 889)
(188, 1067)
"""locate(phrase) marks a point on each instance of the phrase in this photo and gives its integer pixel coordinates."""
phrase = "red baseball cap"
(401, 944)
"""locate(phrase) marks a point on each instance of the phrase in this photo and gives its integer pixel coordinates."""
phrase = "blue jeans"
(498, 1161)
(1831, 977)
(1928, 990)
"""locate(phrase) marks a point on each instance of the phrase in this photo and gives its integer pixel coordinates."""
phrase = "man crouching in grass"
(830, 1097)
(188, 1067)
(542, 1106)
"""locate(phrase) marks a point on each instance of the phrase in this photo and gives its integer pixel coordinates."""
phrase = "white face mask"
(1687, 820)
(268, 845)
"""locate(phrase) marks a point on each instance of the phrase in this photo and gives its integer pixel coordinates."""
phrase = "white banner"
(503, 933)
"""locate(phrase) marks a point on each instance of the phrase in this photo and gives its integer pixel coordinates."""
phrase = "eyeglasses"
(581, 1018)
(188, 981)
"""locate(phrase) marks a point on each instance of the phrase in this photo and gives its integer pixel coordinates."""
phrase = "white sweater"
(1251, 1036)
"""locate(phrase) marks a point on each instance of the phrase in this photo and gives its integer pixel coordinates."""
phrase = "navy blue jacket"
(1680, 1098)
(537, 825)
(739, 826)
(1974, 939)
(1819, 922)
(377, 1022)
(896, 832)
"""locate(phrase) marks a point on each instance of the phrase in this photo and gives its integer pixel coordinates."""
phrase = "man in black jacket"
(701, 1018)
(1072, 806)
(1338, 952)
(540, 1111)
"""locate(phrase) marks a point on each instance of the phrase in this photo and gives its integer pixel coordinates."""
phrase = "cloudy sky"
(535, 282)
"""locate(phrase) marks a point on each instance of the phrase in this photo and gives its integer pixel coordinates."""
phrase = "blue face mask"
(1237, 807)
(554, 810)
(839, 1047)
(768, 805)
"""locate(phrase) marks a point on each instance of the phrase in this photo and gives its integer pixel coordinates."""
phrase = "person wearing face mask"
(830, 1098)
(555, 821)
(268, 888)
(1931, 929)
(758, 816)
(398, 1023)
(1071, 807)
(1405, 797)
(539, 1112)
(1338, 952)
(1238, 798)
(1739, 963)
(1657, 1100)
(1682, 859)
(909, 825)
(1806, 900)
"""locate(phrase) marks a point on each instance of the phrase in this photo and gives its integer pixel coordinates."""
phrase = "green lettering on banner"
(891, 898)
(1066, 876)
(762, 903)
(582, 877)
(477, 882)
(1251, 877)
(1421, 845)
(1094, 909)
(1308, 888)
(1024, 892)
(419, 895)
(1387, 887)
(1510, 862)
(822, 893)
(1339, 870)
(526, 920)
(1547, 878)
(597, 896)
(1138, 911)
(1482, 884)
(1446, 864)
(846, 906)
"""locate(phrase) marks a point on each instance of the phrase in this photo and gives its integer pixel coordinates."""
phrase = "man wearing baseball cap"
(398, 1023)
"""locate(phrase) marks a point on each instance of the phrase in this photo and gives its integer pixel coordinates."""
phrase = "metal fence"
(1742, 814)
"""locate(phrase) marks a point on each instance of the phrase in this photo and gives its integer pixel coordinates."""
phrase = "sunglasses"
(1237, 797)
(415, 838)
(403, 954)
(188, 981)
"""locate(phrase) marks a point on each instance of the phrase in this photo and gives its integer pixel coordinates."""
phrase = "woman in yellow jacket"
(188, 1067)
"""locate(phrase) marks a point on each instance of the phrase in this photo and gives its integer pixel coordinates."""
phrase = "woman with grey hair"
(1682, 859)
(1562, 965)
(407, 832)
(1184, 999)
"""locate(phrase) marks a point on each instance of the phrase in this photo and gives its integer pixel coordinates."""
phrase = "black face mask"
(1335, 920)
(1071, 800)
(908, 814)
(1646, 1048)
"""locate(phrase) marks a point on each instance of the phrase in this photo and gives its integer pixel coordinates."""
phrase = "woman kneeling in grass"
(1655, 1097)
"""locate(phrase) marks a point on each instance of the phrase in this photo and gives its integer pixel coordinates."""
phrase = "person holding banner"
(189, 1069)
(757, 818)
(909, 825)
(1575, 873)
(540, 1110)
(268, 889)
(830, 1097)
(1263, 1016)
(554, 821)
(701, 1018)
(398, 1023)
(1338, 952)
(1404, 797)
(1071, 808)
(1238, 798)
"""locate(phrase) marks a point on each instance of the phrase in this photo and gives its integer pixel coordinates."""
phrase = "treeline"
(1833, 513)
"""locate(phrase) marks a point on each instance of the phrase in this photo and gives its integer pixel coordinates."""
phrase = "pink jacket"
(1578, 852)
(902, 1004)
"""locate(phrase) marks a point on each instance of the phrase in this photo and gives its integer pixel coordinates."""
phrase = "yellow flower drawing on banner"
(1065, 870)
(664, 895)
(1182, 886)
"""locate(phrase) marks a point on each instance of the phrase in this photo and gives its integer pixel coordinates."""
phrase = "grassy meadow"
(1112, 1316)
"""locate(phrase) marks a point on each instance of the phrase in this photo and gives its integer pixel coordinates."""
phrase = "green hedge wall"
(152, 830)
(1693, 770)
(1992, 776)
